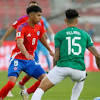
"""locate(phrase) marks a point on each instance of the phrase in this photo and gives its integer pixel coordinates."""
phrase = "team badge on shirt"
(38, 33)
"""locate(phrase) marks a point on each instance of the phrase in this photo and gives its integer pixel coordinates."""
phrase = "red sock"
(33, 87)
(24, 80)
(4, 91)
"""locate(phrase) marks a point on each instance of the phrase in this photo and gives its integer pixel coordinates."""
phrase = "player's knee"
(42, 76)
(28, 76)
(46, 84)
(12, 79)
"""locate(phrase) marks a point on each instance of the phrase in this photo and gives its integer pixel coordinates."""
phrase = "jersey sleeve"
(57, 40)
(19, 21)
(20, 32)
(15, 24)
(89, 41)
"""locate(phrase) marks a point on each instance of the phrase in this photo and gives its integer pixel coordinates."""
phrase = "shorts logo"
(15, 63)
(15, 68)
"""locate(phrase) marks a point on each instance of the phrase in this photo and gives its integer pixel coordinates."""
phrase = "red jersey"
(23, 19)
(30, 36)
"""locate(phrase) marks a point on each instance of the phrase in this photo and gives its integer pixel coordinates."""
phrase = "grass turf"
(61, 91)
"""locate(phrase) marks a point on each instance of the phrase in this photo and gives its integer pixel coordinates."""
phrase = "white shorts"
(57, 74)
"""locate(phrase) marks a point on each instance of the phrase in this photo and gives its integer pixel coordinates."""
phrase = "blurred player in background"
(89, 29)
(44, 50)
(70, 46)
(22, 57)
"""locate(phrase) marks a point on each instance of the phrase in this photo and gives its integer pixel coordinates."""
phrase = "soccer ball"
(97, 98)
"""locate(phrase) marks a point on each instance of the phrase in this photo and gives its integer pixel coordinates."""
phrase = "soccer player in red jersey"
(22, 58)
(9, 32)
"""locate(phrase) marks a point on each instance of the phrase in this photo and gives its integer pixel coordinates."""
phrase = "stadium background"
(53, 10)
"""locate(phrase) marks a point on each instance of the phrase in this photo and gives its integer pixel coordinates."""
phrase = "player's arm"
(44, 42)
(8, 33)
(21, 46)
(20, 42)
(93, 50)
(57, 43)
(98, 62)
(23, 49)
(56, 57)
(11, 29)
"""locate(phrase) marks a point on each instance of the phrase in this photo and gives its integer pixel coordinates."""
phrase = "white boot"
(24, 94)
(10, 94)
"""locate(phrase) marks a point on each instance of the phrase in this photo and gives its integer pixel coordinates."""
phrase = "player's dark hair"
(33, 9)
(71, 13)
(32, 1)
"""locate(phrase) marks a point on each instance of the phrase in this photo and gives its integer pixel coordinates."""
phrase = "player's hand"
(51, 53)
(29, 57)
(1, 43)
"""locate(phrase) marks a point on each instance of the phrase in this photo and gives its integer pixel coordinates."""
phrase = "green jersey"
(72, 43)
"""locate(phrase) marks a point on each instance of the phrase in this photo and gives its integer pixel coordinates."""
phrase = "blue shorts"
(28, 66)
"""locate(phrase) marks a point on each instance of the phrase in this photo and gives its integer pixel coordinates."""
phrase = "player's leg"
(79, 77)
(53, 77)
(77, 89)
(8, 87)
(26, 92)
(36, 72)
(37, 83)
(34, 86)
(24, 80)
(44, 85)
(33, 69)
(13, 72)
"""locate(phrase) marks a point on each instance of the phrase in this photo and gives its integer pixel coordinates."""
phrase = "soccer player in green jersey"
(70, 46)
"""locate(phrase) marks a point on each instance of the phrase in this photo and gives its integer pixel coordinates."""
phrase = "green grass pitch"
(61, 91)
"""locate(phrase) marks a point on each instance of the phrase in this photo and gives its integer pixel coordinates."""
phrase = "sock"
(77, 89)
(37, 94)
(24, 80)
(4, 91)
(33, 87)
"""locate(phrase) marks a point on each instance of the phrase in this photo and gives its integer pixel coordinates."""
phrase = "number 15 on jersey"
(72, 43)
